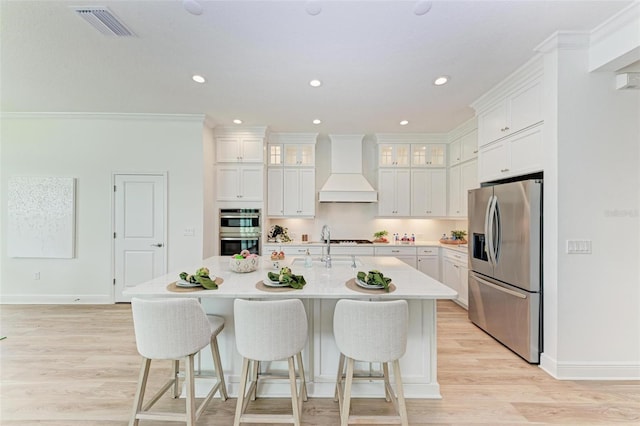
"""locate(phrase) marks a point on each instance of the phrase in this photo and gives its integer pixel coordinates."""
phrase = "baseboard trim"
(589, 371)
(56, 299)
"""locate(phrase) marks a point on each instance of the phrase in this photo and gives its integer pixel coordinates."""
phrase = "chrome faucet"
(326, 236)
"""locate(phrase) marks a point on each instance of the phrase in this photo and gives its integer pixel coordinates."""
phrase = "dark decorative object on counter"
(278, 234)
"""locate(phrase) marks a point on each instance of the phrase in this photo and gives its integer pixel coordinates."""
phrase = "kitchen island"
(323, 288)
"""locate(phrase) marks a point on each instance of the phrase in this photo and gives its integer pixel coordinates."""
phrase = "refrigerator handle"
(490, 218)
(497, 230)
(487, 230)
(499, 288)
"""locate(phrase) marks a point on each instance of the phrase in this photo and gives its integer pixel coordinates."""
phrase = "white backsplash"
(359, 221)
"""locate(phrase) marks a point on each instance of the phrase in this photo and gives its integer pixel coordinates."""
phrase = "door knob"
(157, 245)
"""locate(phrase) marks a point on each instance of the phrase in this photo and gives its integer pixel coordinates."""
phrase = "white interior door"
(139, 230)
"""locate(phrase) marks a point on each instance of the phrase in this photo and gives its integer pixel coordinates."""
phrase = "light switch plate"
(579, 246)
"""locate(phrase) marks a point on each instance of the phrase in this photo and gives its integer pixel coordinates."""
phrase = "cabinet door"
(274, 155)
(429, 265)
(455, 180)
(393, 155)
(251, 150)
(403, 193)
(492, 161)
(307, 155)
(227, 183)
(386, 192)
(524, 154)
(468, 180)
(291, 192)
(492, 123)
(469, 146)
(463, 293)
(227, 150)
(307, 192)
(451, 275)
(275, 181)
(428, 193)
(251, 183)
(525, 107)
(455, 152)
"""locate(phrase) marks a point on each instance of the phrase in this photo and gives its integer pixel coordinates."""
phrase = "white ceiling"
(377, 59)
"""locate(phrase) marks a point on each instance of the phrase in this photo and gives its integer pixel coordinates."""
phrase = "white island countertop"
(322, 282)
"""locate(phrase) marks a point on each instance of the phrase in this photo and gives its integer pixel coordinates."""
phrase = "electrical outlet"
(36, 275)
(189, 232)
(578, 246)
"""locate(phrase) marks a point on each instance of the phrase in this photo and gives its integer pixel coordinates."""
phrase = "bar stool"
(174, 329)
(371, 332)
(270, 331)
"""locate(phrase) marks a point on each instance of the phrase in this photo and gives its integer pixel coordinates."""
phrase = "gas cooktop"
(350, 242)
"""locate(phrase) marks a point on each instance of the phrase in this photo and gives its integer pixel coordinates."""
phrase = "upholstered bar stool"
(371, 332)
(174, 329)
(270, 331)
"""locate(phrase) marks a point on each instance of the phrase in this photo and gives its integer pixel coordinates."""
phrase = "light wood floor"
(78, 365)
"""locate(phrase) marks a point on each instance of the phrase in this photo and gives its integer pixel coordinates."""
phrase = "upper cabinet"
(393, 155)
(511, 125)
(464, 148)
(298, 154)
(512, 113)
(291, 184)
(428, 155)
(239, 149)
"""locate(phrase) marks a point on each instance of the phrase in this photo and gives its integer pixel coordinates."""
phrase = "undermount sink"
(338, 260)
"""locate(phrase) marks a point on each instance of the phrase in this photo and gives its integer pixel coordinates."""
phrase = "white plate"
(369, 286)
(270, 283)
(186, 284)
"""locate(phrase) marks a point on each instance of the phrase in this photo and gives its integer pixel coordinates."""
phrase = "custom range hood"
(346, 184)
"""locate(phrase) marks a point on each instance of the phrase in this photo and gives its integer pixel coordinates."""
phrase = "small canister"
(305, 237)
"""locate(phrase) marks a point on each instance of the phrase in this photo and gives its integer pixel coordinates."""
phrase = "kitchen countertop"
(426, 243)
(322, 283)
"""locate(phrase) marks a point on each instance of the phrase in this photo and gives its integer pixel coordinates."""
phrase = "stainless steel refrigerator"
(505, 274)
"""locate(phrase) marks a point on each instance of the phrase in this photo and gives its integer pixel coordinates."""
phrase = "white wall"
(91, 148)
(592, 304)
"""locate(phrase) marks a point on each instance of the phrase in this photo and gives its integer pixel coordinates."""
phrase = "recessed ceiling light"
(198, 78)
(404, 122)
(192, 6)
(316, 121)
(237, 121)
(313, 7)
(422, 7)
(441, 80)
(315, 83)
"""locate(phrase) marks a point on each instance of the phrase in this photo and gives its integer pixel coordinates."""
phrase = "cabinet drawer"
(396, 251)
(302, 250)
(455, 256)
(351, 250)
(428, 251)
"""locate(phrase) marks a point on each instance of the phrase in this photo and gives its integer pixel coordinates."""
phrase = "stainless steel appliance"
(239, 230)
(505, 271)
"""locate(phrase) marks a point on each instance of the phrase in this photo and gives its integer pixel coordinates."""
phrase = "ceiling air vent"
(104, 21)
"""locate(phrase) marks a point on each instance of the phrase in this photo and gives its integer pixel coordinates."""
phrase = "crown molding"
(568, 40)
(104, 116)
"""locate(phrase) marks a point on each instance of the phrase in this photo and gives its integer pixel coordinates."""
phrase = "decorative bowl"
(248, 264)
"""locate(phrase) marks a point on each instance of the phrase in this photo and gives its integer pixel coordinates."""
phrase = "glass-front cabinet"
(393, 155)
(428, 155)
(299, 155)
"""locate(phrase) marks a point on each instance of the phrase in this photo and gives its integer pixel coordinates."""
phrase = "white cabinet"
(275, 191)
(520, 109)
(429, 261)
(428, 155)
(428, 192)
(239, 149)
(301, 250)
(455, 274)
(394, 192)
(299, 192)
(464, 148)
(239, 183)
(462, 178)
(275, 155)
(393, 155)
(517, 155)
(407, 253)
(299, 155)
(291, 191)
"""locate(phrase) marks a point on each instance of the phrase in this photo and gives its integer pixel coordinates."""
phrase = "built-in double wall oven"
(239, 230)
